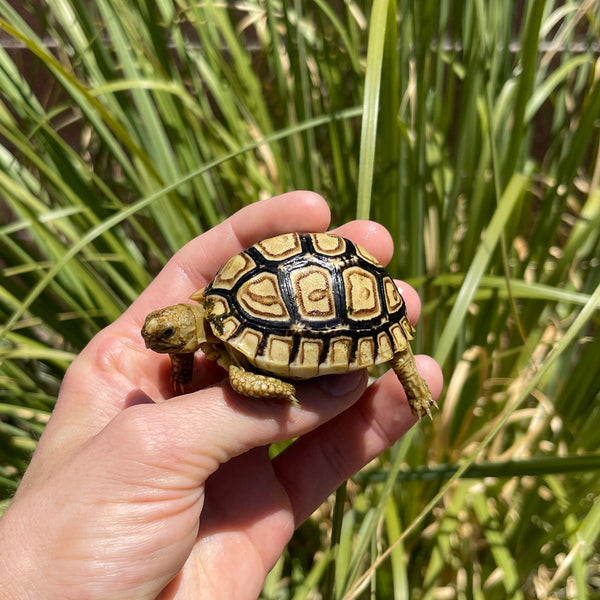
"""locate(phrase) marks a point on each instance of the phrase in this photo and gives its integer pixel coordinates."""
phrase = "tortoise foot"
(255, 385)
(416, 388)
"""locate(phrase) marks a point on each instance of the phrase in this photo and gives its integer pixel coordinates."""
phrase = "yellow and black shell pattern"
(301, 305)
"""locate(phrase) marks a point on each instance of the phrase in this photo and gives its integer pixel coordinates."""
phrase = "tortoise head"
(177, 329)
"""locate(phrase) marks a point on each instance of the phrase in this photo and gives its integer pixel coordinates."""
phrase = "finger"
(315, 465)
(246, 521)
(119, 349)
(196, 263)
(373, 236)
(191, 435)
(118, 352)
(378, 241)
(411, 297)
(211, 425)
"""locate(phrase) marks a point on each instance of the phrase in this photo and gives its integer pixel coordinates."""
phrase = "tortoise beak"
(151, 330)
(146, 339)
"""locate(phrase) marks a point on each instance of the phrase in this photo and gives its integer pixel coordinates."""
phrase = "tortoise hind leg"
(256, 385)
(416, 388)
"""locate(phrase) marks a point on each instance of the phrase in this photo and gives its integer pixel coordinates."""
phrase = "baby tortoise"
(291, 307)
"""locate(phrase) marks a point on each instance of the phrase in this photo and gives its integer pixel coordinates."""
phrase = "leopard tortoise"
(292, 307)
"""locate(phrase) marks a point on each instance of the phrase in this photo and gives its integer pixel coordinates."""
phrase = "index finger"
(191, 268)
(194, 265)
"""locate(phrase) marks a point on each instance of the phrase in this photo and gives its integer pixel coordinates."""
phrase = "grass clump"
(469, 129)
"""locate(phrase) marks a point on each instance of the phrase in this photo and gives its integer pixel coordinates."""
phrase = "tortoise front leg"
(256, 385)
(248, 383)
(181, 370)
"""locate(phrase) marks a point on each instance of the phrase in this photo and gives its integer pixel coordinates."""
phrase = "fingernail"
(342, 385)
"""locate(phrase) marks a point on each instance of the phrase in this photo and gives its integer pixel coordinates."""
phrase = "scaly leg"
(247, 383)
(181, 370)
(416, 388)
(256, 385)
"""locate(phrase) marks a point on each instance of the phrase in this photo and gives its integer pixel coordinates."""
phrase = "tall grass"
(470, 129)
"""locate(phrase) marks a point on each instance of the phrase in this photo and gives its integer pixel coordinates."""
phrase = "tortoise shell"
(302, 305)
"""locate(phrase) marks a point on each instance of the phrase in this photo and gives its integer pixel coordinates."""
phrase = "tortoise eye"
(169, 332)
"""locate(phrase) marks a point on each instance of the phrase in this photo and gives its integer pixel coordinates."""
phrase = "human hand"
(134, 494)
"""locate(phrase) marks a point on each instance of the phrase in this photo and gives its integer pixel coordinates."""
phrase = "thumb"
(191, 435)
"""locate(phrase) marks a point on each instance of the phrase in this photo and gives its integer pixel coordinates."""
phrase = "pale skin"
(133, 493)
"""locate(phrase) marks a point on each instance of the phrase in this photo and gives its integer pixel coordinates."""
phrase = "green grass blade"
(371, 99)
(513, 193)
(529, 54)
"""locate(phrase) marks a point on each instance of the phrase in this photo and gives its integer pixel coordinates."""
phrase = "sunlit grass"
(470, 131)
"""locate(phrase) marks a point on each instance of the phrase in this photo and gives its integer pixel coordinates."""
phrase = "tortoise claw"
(178, 387)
